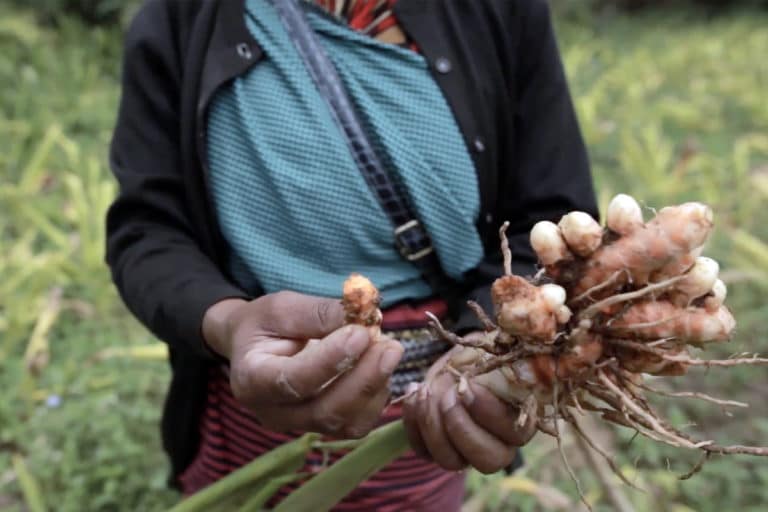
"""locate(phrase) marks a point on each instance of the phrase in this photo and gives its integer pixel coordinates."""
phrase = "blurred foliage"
(637, 4)
(702, 6)
(93, 12)
(75, 434)
(673, 107)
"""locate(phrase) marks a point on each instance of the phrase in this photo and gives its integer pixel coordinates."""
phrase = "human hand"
(458, 429)
(297, 367)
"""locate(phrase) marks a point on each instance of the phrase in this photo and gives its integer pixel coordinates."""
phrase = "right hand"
(296, 365)
(457, 429)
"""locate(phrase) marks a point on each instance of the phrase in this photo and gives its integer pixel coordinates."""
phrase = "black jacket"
(498, 65)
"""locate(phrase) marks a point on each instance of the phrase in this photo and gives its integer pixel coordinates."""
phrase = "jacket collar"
(231, 52)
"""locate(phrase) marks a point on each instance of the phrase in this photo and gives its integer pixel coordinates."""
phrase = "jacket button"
(479, 144)
(443, 65)
(488, 218)
(244, 51)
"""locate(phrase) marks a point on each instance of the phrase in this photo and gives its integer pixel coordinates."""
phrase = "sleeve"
(162, 274)
(551, 175)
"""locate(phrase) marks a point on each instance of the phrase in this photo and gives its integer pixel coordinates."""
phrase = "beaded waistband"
(421, 351)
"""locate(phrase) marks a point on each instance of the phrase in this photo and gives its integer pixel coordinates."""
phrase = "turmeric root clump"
(609, 306)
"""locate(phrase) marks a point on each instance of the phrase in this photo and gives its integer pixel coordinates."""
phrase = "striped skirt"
(231, 437)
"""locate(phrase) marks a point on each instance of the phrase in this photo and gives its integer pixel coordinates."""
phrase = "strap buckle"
(405, 232)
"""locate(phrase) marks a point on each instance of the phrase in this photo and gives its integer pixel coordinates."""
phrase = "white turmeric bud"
(548, 243)
(719, 293)
(563, 314)
(700, 279)
(719, 290)
(624, 215)
(582, 233)
(553, 295)
(716, 327)
(688, 225)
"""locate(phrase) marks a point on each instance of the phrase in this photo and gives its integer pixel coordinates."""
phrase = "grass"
(672, 105)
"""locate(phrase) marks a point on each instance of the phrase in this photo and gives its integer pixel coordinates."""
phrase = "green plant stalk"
(257, 501)
(378, 449)
(344, 444)
(752, 246)
(253, 495)
(283, 459)
(37, 354)
(33, 497)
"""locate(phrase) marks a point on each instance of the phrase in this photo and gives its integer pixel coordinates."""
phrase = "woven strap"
(410, 238)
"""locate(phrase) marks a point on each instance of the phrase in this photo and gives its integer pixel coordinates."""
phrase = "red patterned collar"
(367, 16)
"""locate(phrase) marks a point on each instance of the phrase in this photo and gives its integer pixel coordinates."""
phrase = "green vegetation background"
(673, 105)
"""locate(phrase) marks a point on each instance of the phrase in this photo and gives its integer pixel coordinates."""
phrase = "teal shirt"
(290, 200)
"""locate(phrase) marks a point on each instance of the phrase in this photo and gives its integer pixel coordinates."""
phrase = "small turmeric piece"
(361, 299)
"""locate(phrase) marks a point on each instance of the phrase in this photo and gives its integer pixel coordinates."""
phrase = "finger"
(296, 315)
(368, 417)
(497, 417)
(303, 418)
(281, 347)
(267, 378)
(431, 425)
(481, 449)
(361, 393)
(411, 423)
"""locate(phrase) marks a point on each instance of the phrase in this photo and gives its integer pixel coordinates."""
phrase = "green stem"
(30, 489)
(289, 457)
(344, 444)
(377, 450)
(257, 501)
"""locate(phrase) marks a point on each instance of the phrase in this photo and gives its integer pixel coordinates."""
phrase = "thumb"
(296, 315)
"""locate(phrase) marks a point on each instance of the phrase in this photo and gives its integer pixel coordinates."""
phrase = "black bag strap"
(410, 238)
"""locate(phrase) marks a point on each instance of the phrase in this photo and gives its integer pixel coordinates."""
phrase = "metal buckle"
(402, 248)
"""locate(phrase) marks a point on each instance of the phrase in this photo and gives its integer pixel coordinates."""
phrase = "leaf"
(37, 355)
(261, 497)
(760, 180)
(752, 247)
(547, 496)
(34, 172)
(153, 352)
(286, 458)
(21, 28)
(378, 449)
(33, 497)
(676, 507)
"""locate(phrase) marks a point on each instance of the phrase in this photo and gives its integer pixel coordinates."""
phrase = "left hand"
(474, 428)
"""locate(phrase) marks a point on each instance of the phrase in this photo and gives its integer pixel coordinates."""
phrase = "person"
(241, 211)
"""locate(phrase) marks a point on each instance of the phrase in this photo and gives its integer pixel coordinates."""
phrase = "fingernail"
(411, 388)
(356, 342)
(424, 392)
(449, 400)
(389, 360)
